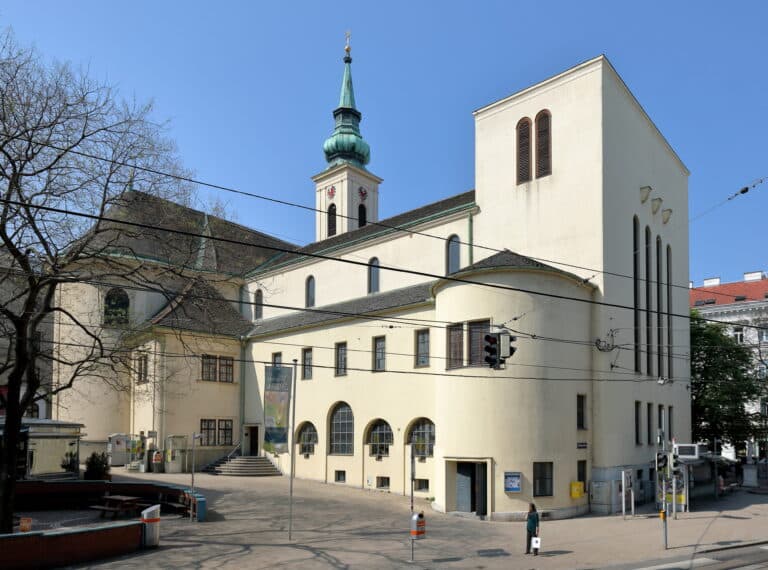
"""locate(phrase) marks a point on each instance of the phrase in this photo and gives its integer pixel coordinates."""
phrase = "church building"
(574, 242)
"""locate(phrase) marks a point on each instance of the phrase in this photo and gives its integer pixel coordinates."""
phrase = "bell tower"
(346, 194)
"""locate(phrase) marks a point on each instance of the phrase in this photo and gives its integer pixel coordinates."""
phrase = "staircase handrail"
(234, 450)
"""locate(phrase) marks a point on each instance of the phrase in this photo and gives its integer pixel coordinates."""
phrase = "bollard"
(151, 519)
(418, 529)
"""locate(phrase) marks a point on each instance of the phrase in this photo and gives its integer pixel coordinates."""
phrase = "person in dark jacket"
(531, 529)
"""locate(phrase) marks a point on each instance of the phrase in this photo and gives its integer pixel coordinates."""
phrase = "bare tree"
(71, 153)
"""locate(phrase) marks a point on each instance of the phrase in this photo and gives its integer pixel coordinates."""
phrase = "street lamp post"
(195, 436)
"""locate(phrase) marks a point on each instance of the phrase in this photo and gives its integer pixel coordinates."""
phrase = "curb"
(733, 546)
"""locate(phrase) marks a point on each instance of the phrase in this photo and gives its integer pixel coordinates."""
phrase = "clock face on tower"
(331, 192)
(363, 193)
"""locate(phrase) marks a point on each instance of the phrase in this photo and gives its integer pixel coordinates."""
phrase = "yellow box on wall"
(577, 489)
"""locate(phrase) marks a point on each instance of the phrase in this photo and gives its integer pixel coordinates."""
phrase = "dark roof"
(404, 220)
(187, 251)
(200, 308)
(510, 259)
(374, 303)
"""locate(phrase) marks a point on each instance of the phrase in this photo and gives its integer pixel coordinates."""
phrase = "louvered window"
(332, 220)
(543, 144)
(455, 346)
(477, 332)
(523, 151)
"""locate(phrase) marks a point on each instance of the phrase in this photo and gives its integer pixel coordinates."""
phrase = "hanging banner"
(277, 395)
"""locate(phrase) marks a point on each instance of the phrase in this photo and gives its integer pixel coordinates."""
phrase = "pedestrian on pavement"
(531, 529)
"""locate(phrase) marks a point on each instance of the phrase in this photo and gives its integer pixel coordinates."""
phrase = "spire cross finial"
(347, 47)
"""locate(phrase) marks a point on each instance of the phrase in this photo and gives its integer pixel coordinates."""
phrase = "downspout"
(471, 229)
(243, 346)
(163, 382)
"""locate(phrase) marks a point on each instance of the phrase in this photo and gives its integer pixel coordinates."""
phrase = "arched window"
(524, 150)
(422, 437)
(670, 312)
(307, 439)
(452, 255)
(309, 292)
(342, 430)
(543, 144)
(380, 438)
(258, 304)
(332, 220)
(659, 309)
(636, 288)
(373, 275)
(648, 301)
(116, 305)
(362, 216)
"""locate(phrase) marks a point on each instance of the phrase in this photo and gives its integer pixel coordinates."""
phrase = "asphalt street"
(341, 527)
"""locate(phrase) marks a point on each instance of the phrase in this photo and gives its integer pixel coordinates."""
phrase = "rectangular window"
(142, 369)
(477, 332)
(208, 431)
(277, 359)
(226, 369)
(738, 334)
(306, 364)
(581, 411)
(762, 334)
(209, 368)
(638, 424)
(382, 482)
(670, 433)
(341, 359)
(379, 354)
(649, 423)
(581, 472)
(542, 479)
(455, 347)
(422, 348)
(225, 432)
(340, 476)
(421, 485)
(661, 418)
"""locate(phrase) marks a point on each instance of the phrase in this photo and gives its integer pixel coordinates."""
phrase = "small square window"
(421, 485)
(277, 359)
(340, 476)
(226, 369)
(382, 482)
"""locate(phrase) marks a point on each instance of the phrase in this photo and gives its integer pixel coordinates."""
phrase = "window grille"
(342, 430)
(422, 438)
(380, 438)
(542, 479)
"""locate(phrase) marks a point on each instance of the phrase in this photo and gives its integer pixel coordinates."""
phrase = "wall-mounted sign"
(581, 445)
(513, 482)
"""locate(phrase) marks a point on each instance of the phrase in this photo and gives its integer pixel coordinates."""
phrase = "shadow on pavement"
(492, 552)
(550, 553)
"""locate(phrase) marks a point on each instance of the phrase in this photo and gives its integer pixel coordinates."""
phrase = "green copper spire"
(346, 144)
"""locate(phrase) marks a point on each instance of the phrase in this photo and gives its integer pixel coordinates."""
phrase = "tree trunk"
(9, 452)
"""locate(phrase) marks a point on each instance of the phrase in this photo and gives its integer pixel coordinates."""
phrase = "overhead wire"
(223, 188)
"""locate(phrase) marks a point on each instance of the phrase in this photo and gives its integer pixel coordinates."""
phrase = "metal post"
(674, 494)
(413, 479)
(714, 457)
(666, 544)
(195, 436)
(293, 451)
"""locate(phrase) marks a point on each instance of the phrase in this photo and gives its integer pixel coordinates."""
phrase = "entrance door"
(253, 436)
(465, 486)
(480, 489)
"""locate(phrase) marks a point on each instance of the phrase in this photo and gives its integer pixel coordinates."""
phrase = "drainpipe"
(471, 221)
(243, 346)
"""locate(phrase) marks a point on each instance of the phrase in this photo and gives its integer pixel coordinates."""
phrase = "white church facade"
(574, 240)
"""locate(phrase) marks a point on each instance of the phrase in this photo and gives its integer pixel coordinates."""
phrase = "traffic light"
(675, 465)
(507, 345)
(661, 461)
(491, 348)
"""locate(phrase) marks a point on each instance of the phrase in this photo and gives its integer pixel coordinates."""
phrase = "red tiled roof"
(727, 293)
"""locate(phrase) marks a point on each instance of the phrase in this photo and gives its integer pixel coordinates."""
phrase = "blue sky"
(249, 88)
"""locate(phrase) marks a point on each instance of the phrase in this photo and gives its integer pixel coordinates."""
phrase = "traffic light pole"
(664, 492)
